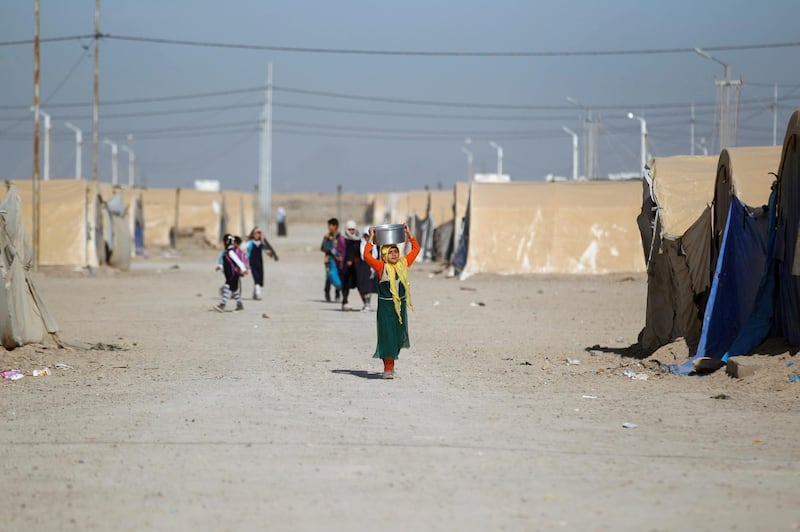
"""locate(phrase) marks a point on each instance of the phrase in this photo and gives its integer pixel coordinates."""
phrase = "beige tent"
(160, 210)
(23, 315)
(234, 212)
(675, 224)
(200, 211)
(526, 227)
(461, 191)
(70, 221)
(748, 174)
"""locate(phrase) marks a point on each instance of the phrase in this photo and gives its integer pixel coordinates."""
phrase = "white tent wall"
(68, 221)
(576, 228)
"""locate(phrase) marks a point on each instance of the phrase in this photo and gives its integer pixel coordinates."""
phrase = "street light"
(568, 131)
(469, 162)
(131, 163)
(499, 158)
(114, 152)
(726, 66)
(47, 129)
(78, 149)
(644, 138)
(727, 126)
(590, 136)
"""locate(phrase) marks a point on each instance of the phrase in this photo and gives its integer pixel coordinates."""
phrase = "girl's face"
(393, 255)
(352, 232)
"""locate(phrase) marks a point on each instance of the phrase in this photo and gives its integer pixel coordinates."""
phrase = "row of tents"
(85, 224)
(723, 253)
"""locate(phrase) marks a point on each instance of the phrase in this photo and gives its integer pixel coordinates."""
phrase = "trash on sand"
(589, 397)
(595, 352)
(627, 425)
(794, 378)
(11, 374)
(790, 364)
(436, 303)
(60, 365)
(721, 396)
(265, 316)
(636, 376)
(468, 288)
(573, 361)
(526, 363)
(477, 304)
(41, 372)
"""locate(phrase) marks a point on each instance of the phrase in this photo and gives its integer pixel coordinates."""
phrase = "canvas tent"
(70, 221)
(739, 243)
(159, 206)
(675, 226)
(24, 317)
(756, 288)
(534, 227)
(200, 211)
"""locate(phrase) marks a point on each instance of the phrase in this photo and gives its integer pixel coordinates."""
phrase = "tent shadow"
(631, 351)
(358, 373)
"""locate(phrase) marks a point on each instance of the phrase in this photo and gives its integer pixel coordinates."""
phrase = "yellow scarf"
(393, 271)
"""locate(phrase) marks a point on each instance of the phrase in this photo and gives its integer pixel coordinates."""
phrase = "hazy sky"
(367, 145)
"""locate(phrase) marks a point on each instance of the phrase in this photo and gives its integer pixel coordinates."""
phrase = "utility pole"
(265, 166)
(36, 138)
(48, 127)
(95, 104)
(691, 133)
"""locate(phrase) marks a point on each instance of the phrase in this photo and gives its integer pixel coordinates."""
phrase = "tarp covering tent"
(200, 210)
(675, 225)
(754, 291)
(160, 209)
(70, 221)
(24, 317)
(133, 202)
(581, 228)
(117, 232)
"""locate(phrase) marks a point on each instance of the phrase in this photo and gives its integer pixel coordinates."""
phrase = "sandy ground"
(174, 417)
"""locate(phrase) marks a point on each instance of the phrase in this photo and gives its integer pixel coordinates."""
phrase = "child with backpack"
(233, 267)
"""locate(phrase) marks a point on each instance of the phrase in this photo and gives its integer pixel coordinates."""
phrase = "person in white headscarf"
(350, 260)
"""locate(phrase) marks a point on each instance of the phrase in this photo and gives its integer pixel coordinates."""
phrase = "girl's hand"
(371, 235)
(408, 233)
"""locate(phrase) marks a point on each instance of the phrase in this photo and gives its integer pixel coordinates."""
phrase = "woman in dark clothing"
(352, 250)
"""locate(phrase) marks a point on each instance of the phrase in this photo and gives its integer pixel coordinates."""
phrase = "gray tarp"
(23, 315)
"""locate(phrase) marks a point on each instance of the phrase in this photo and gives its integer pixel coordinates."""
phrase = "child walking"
(394, 295)
(233, 267)
(256, 244)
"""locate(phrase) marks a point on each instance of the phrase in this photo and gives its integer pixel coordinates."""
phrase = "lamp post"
(590, 143)
(727, 126)
(499, 149)
(568, 131)
(470, 158)
(78, 149)
(47, 129)
(131, 163)
(644, 138)
(114, 152)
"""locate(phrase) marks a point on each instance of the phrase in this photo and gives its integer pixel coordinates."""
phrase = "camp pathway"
(180, 418)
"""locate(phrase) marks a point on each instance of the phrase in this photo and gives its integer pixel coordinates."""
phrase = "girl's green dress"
(392, 335)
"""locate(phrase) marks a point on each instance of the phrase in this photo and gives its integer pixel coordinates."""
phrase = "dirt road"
(174, 417)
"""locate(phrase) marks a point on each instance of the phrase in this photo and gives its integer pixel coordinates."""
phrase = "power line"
(47, 39)
(440, 53)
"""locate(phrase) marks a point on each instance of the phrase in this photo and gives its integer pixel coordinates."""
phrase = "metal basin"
(389, 234)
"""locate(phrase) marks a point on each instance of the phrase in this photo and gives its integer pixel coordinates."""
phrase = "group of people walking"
(352, 261)
(237, 261)
(345, 268)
